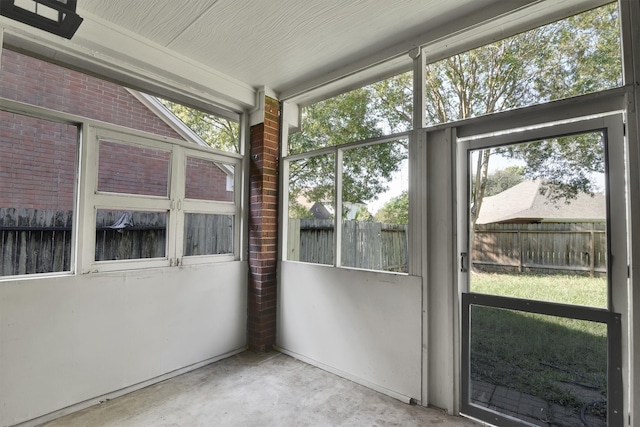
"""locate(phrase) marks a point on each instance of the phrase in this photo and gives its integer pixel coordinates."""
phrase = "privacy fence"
(369, 245)
(39, 240)
(576, 248)
(570, 248)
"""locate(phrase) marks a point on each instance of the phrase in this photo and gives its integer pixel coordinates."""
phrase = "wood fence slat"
(540, 247)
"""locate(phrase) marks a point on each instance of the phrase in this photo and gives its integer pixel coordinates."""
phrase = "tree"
(395, 211)
(216, 131)
(569, 57)
(366, 170)
(503, 179)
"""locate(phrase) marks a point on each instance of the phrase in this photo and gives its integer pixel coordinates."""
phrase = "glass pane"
(382, 108)
(207, 180)
(542, 369)
(571, 57)
(37, 181)
(219, 133)
(133, 169)
(375, 205)
(538, 220)
(130, 234)
(208, 234)
(311, 210)
(44, 84)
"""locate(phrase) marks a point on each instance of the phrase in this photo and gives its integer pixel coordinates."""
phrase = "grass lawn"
(563, 361)
(589, 291)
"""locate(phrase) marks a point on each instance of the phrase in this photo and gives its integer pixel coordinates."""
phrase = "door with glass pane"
(544, 275)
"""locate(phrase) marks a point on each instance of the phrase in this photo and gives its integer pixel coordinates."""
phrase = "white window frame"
(338, 151)
(175, 203)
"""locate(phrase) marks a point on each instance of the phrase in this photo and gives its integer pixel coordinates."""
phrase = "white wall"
(365, 326)
(64, 340)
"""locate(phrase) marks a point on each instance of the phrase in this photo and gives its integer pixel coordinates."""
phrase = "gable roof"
(525, 203)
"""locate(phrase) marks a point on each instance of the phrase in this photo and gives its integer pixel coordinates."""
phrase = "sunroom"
(439, 201)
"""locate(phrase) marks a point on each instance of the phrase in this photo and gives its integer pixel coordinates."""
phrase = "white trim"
(156, 107)
(138, 62)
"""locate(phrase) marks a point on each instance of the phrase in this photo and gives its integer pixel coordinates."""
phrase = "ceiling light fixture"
(57, 17)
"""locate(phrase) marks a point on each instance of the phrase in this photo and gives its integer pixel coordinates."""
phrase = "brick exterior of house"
(47, 150)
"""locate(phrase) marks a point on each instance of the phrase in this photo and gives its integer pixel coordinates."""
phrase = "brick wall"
(124, 168)
(263, 230)
(40, 83)
(38, 157)
(206, 181)
(37, 167)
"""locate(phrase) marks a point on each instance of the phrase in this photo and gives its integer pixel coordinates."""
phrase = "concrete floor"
(257, 389)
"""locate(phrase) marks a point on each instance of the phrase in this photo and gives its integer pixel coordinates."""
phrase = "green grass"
(589, 291)
(538, 354)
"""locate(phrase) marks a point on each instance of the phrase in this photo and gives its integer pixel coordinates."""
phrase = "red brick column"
(263, 229)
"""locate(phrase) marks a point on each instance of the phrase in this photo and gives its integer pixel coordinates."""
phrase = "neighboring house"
(524, 203)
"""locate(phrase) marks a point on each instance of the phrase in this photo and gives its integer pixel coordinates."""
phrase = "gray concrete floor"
(257, 389)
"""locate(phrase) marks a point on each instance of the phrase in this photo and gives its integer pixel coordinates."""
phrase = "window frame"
(175, 203)
(337, 151)
(14, 107)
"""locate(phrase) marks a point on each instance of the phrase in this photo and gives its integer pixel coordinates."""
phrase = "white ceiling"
(278, 44)
(230, 48)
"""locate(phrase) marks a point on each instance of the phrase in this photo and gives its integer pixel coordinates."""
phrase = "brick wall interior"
(263, 230)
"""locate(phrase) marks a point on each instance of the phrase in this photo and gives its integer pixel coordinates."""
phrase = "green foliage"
(218, 132)
(395, 211)
(503, 179)
(566, 58)
(565, 164)
(364, 113)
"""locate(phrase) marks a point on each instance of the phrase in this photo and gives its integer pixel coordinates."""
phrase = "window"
(151, 191)
(211, 215)
(347, 174)
(37, 193)
(379, 109)
(311, 210)
(368, 197)
(130, 234)
(159, 203)
(130, 169)
(375, 207)
(570, 57)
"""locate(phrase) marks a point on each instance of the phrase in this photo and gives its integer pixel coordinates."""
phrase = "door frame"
(616, 314)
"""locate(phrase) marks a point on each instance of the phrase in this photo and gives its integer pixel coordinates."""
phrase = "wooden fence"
(368, 245)
(39, 241)
(541, 248)
(34, 241)
(208, 234)
(143, 237)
